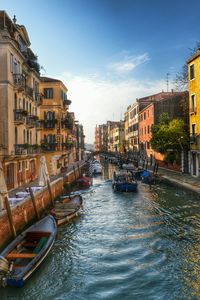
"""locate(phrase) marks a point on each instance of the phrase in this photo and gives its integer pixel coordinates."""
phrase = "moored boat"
(124, 182)
(95, 167)
(67, 209)
(146, 177)
(84, 181)
(26, 252)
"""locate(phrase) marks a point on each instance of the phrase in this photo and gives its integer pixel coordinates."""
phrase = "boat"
(84, 181)
(67, 209)
(95, 167)
(146, 177)
(26, 252)
(124, 182)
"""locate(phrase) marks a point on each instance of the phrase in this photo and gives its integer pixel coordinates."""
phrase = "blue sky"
(108, 52)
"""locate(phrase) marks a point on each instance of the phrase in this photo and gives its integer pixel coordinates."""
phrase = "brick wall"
(24, 214)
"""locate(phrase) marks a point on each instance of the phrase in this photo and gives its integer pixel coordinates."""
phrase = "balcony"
(193, 139)
(29, 91)
(38, 98)
(20, 149)
(38, 125)
(19, 81)
(68, 145)
(24, 149)
(49, 146)
(67, 123)
(19, 116)
(49, 124)
(31, 121)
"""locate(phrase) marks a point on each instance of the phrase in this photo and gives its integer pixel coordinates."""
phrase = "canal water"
(143, 245)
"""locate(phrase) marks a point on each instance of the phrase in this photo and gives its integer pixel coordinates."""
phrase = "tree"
(181, 79)
(170, 138)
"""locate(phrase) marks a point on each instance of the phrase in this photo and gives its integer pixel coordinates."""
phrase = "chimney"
(172, 90)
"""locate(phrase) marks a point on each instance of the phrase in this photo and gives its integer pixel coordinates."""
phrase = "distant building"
(174, 104)
(131, 138)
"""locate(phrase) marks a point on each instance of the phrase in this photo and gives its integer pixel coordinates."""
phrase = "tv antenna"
(167, 81)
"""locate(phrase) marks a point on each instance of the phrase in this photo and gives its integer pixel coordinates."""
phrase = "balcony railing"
(67, 123)
(38, 125)
(19, 116)
(68, 145)
(24, 149)
(49, 124)
(29, 91)
(19, 81)
(48, 147)
(193, 139)
(31, 121)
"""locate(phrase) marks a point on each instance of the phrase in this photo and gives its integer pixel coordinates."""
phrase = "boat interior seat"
(40, 245)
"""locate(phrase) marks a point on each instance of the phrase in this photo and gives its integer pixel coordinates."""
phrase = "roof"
(48, 79)
(194, 56)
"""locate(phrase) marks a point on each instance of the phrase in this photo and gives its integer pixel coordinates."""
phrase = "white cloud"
(96, 100)
(128, 63)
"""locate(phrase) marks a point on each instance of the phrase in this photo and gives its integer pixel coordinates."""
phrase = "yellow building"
(116, 136)
(57, 125)
(19, 103)
(194, 108)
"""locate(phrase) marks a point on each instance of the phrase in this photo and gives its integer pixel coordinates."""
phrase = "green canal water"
(143, 245)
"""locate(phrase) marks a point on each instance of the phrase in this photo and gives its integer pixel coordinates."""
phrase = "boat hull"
(125, 187)
(20, 274)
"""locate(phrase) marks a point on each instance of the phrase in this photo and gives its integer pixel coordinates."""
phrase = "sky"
(108, 52)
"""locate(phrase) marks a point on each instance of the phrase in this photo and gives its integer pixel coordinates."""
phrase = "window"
(48, 93)
(191, 72)
(193, 104)
(193, 129)
(145, 116)
(148, 129)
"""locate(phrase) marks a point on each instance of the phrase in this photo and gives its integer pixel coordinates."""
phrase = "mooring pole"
(74, 172)
(34, 202)
(50, 192)
(10, 219)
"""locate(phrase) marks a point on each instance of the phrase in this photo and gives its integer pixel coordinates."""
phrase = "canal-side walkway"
(179, 179)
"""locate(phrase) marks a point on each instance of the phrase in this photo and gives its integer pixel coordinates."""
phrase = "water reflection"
(141, 245)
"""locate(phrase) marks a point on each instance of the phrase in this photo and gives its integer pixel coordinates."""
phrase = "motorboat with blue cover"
(124, 182)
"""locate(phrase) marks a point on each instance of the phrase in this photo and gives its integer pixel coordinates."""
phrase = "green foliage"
(169, 137)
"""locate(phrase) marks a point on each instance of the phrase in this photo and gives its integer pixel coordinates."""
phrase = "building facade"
(194, 112)
(19, 104)
(56, 125)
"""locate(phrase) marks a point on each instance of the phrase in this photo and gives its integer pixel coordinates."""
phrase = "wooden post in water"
(34, 203)
(50, 192)
(10, 219)
(79, 172)
(74, 172)
(156, 168)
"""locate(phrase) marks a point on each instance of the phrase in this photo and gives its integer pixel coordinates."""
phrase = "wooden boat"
(124, 182)
(84, 182)
(26, 252)
(67, 209)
